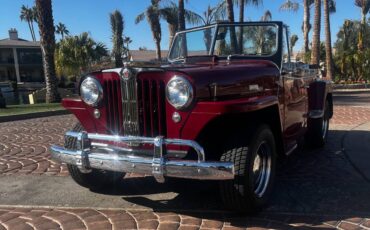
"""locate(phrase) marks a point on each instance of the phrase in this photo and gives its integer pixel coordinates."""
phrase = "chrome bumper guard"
(87, 158)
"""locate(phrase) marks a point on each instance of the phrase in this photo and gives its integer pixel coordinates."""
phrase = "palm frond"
(289, 5)
(267, 16)
(332, 6)
(193, 18)
(140, 18)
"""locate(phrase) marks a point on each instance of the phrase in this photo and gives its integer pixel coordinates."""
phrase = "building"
(20, 60)
(146, 55)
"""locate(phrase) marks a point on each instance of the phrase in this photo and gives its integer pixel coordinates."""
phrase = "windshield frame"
(193, 30)
(235, 24)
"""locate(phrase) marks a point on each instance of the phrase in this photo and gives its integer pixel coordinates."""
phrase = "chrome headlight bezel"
(188, 89)
(84, 94)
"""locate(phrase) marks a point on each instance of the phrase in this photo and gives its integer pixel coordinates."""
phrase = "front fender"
(318, 93)
(205, 112)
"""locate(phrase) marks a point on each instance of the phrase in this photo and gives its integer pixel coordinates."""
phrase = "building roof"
(146, 55)
(18, 43)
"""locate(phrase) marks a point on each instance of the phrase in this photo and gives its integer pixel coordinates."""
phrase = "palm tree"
(181, 15)
(170, 14)
(62, 30)
(47, 41)
(28, 14)
(328, 49)
(152, 15)
(267, 16)
(293, 40)
(211, 15)
(76, 54)
(294, 6)
(242, 4)
(127, 41)
(365, 7)
(315, 54)
(117, 24)
(230, 16)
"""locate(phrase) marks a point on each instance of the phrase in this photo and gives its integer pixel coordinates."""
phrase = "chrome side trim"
(87, 158)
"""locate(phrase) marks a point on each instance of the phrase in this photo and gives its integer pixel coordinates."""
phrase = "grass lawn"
(25, 109)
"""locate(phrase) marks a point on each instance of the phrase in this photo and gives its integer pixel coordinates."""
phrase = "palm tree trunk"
(241, 19)
(172, 29)
(47, 40)
(315, 55)
(33, 31)
(361, 33)
(230, 14)
(208, 39)
(158, 50)
(32, 35)
(181, 15)
(329, 55)
(306, 26)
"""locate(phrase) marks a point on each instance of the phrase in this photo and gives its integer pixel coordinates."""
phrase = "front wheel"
(254, 162)
(95, 179)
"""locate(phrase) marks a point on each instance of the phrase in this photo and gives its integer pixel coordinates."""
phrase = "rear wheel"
(96, 178)
(318, 129)
(254, 162)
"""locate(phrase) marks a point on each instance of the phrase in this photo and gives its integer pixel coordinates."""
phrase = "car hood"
(230, 79)
(224, 79)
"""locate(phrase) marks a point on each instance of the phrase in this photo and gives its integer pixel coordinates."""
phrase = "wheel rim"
(262, 169)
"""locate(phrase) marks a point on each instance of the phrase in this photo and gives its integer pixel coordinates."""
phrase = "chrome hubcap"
(262, 169)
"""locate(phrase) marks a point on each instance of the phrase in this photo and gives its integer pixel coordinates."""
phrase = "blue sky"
(93, 16)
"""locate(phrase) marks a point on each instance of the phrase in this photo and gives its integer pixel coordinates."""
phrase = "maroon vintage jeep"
(229, 101)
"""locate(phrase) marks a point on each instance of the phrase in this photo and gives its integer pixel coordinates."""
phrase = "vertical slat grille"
(130, 108)
(112, 101)
(151, 101)
(135, 106)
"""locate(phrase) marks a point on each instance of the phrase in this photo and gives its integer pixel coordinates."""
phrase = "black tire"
(241, 194)
(95, 179)
(318, 129)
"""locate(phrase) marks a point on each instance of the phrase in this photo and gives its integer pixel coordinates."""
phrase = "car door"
(295, 97)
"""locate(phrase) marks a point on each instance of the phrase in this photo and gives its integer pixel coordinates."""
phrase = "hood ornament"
(126, 74)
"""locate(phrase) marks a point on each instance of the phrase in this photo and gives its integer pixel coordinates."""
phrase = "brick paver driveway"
(320, 188)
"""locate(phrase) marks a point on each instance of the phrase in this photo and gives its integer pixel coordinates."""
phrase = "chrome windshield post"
(83, 146)
(158, 160)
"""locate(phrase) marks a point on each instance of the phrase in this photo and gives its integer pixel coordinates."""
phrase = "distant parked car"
(221, 109)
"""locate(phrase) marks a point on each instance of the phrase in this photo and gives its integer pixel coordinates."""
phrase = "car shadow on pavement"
(312, 186)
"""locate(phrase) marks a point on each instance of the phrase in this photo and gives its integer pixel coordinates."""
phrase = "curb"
(350, 90)
(33, 115)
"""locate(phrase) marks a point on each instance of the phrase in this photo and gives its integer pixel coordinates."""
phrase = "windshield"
(247, 40)
(193, 43)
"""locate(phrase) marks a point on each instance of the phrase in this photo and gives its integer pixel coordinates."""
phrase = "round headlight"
(179, 92)
(91, 91)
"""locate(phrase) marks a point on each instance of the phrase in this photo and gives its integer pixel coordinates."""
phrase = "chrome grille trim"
(129, 102)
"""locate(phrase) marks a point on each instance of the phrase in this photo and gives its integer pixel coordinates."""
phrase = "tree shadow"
(312, 187)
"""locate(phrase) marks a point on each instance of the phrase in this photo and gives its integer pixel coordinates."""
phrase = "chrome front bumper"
(86, 158)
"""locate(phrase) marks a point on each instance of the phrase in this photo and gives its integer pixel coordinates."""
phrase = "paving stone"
(124, 224)
(168, 226)
(148, 224)
(191, 221)
(212, 224)
(366, 223)
(349, 226)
